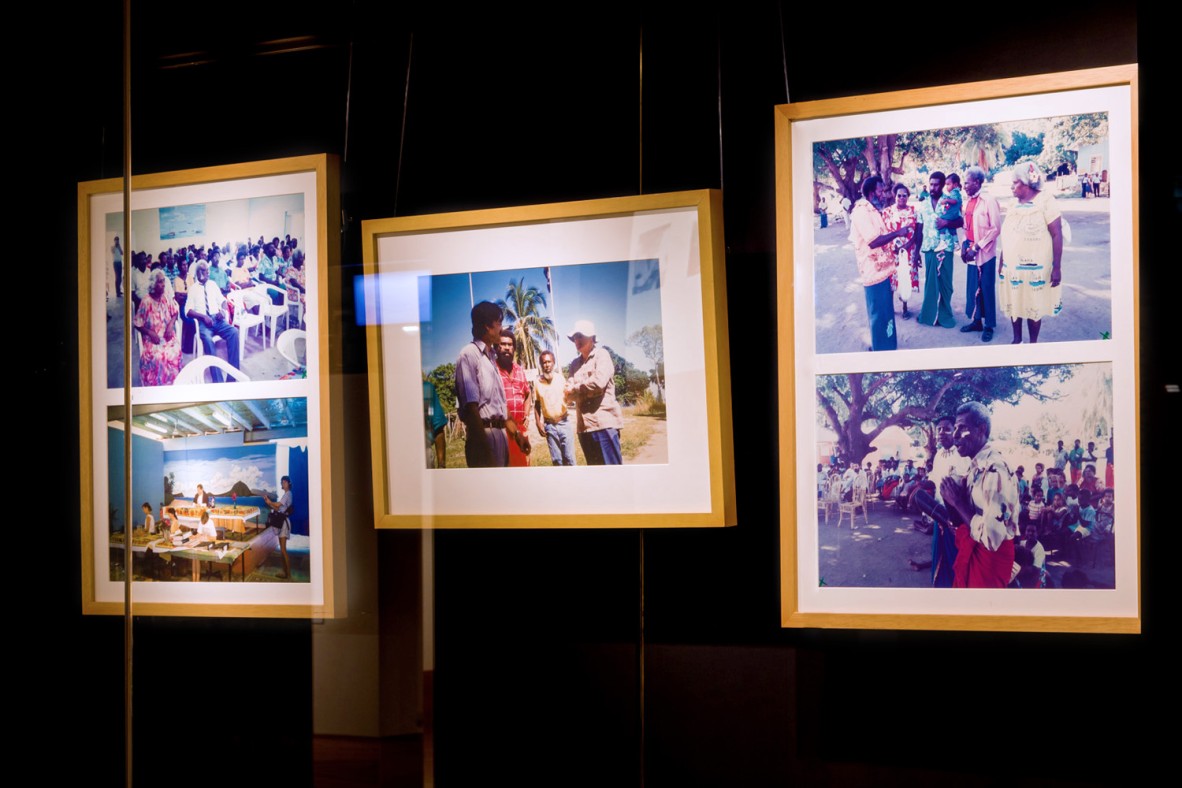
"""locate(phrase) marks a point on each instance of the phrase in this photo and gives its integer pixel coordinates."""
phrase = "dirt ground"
(876, 552)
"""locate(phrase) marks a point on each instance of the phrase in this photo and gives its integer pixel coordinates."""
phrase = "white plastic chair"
(293, 298)
(194, 372)
(857, 501)
(244, 321)
(268, 310)
(286, 345)
(199, 346)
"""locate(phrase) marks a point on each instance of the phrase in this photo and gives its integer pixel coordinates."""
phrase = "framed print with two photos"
(227, 276)
(957, 276)
(614, 409)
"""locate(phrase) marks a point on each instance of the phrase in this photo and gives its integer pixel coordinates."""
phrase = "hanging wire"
(128, 642)
(640, 634)
(640, 112)
(718, 80)
(640, 655)
(348, 101)
(783, 51)
(410, 51)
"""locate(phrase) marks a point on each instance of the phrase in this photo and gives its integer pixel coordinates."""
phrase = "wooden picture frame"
(274, 413)
(864, 577)
(633, 266)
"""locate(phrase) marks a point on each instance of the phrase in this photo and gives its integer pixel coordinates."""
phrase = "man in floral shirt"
(984, 506)
(876, 262)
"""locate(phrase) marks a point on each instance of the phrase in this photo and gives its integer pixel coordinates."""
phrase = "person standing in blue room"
(876, 262)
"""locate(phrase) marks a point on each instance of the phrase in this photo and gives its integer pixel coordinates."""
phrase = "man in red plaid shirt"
(518, 393)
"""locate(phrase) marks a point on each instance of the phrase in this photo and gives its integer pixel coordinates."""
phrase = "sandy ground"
(656, 450)
(876, 552)
(1087, 290)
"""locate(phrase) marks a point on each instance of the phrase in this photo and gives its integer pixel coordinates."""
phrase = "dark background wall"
(537, 677)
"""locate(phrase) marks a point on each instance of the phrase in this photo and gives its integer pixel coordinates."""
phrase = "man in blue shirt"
(481, 395)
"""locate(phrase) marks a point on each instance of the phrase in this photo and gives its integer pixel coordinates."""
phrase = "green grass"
(637, 431)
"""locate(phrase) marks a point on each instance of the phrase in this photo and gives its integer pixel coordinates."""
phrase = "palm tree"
(532, 332)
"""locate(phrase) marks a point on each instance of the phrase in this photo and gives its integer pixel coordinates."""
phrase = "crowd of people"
(186, 292)
(1012, 265)
(497, 400)
(992, 527)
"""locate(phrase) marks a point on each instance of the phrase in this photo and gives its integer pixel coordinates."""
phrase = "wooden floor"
(401, 761)
(353, 762)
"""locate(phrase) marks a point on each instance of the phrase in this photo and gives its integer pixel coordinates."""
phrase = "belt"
(556, 421)
(497, 423)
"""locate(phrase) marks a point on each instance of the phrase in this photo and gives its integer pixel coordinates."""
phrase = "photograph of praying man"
(548, 366)
(219, 490)
(968, 478)
(218, 291)
(965, 236)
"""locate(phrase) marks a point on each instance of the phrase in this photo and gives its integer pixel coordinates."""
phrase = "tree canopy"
(844, 164)
(651, 341)
(859, 406)
(444, 379)
(533, 332)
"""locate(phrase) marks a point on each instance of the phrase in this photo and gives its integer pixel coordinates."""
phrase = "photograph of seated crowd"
(228, 311)
(960, 236)
(968, 479)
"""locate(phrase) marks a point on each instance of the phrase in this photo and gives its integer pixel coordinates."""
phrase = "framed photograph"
(957, 275)
(227, 276)
(522, 357)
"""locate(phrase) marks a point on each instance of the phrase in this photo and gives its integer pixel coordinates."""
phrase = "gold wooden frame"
(708, 205)
(330, 418)
(785, 116)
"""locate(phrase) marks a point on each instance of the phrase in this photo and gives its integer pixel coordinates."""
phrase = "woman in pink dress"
(155, 319)
(898, 215)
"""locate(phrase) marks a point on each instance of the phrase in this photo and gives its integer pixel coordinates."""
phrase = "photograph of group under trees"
(965, 235)
(552, 320)
(975, 478)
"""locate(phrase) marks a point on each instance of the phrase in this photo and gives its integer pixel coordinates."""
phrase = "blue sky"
(599, 292)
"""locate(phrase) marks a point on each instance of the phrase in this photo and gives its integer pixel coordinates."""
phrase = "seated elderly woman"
(156, 321)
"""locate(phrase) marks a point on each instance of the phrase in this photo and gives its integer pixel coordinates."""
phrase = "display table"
(196, 550)
(229, 518)
(199, 550)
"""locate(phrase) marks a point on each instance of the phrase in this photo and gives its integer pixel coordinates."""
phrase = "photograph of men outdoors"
(213, 286)
(967, 478)
(960, 236)
(559, 365)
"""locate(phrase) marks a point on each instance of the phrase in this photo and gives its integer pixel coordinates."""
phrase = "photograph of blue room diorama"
(219, 491)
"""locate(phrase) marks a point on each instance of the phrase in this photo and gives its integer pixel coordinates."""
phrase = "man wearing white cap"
(591, 389)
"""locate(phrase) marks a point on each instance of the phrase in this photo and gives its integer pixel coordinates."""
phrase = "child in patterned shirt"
(948, 207)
